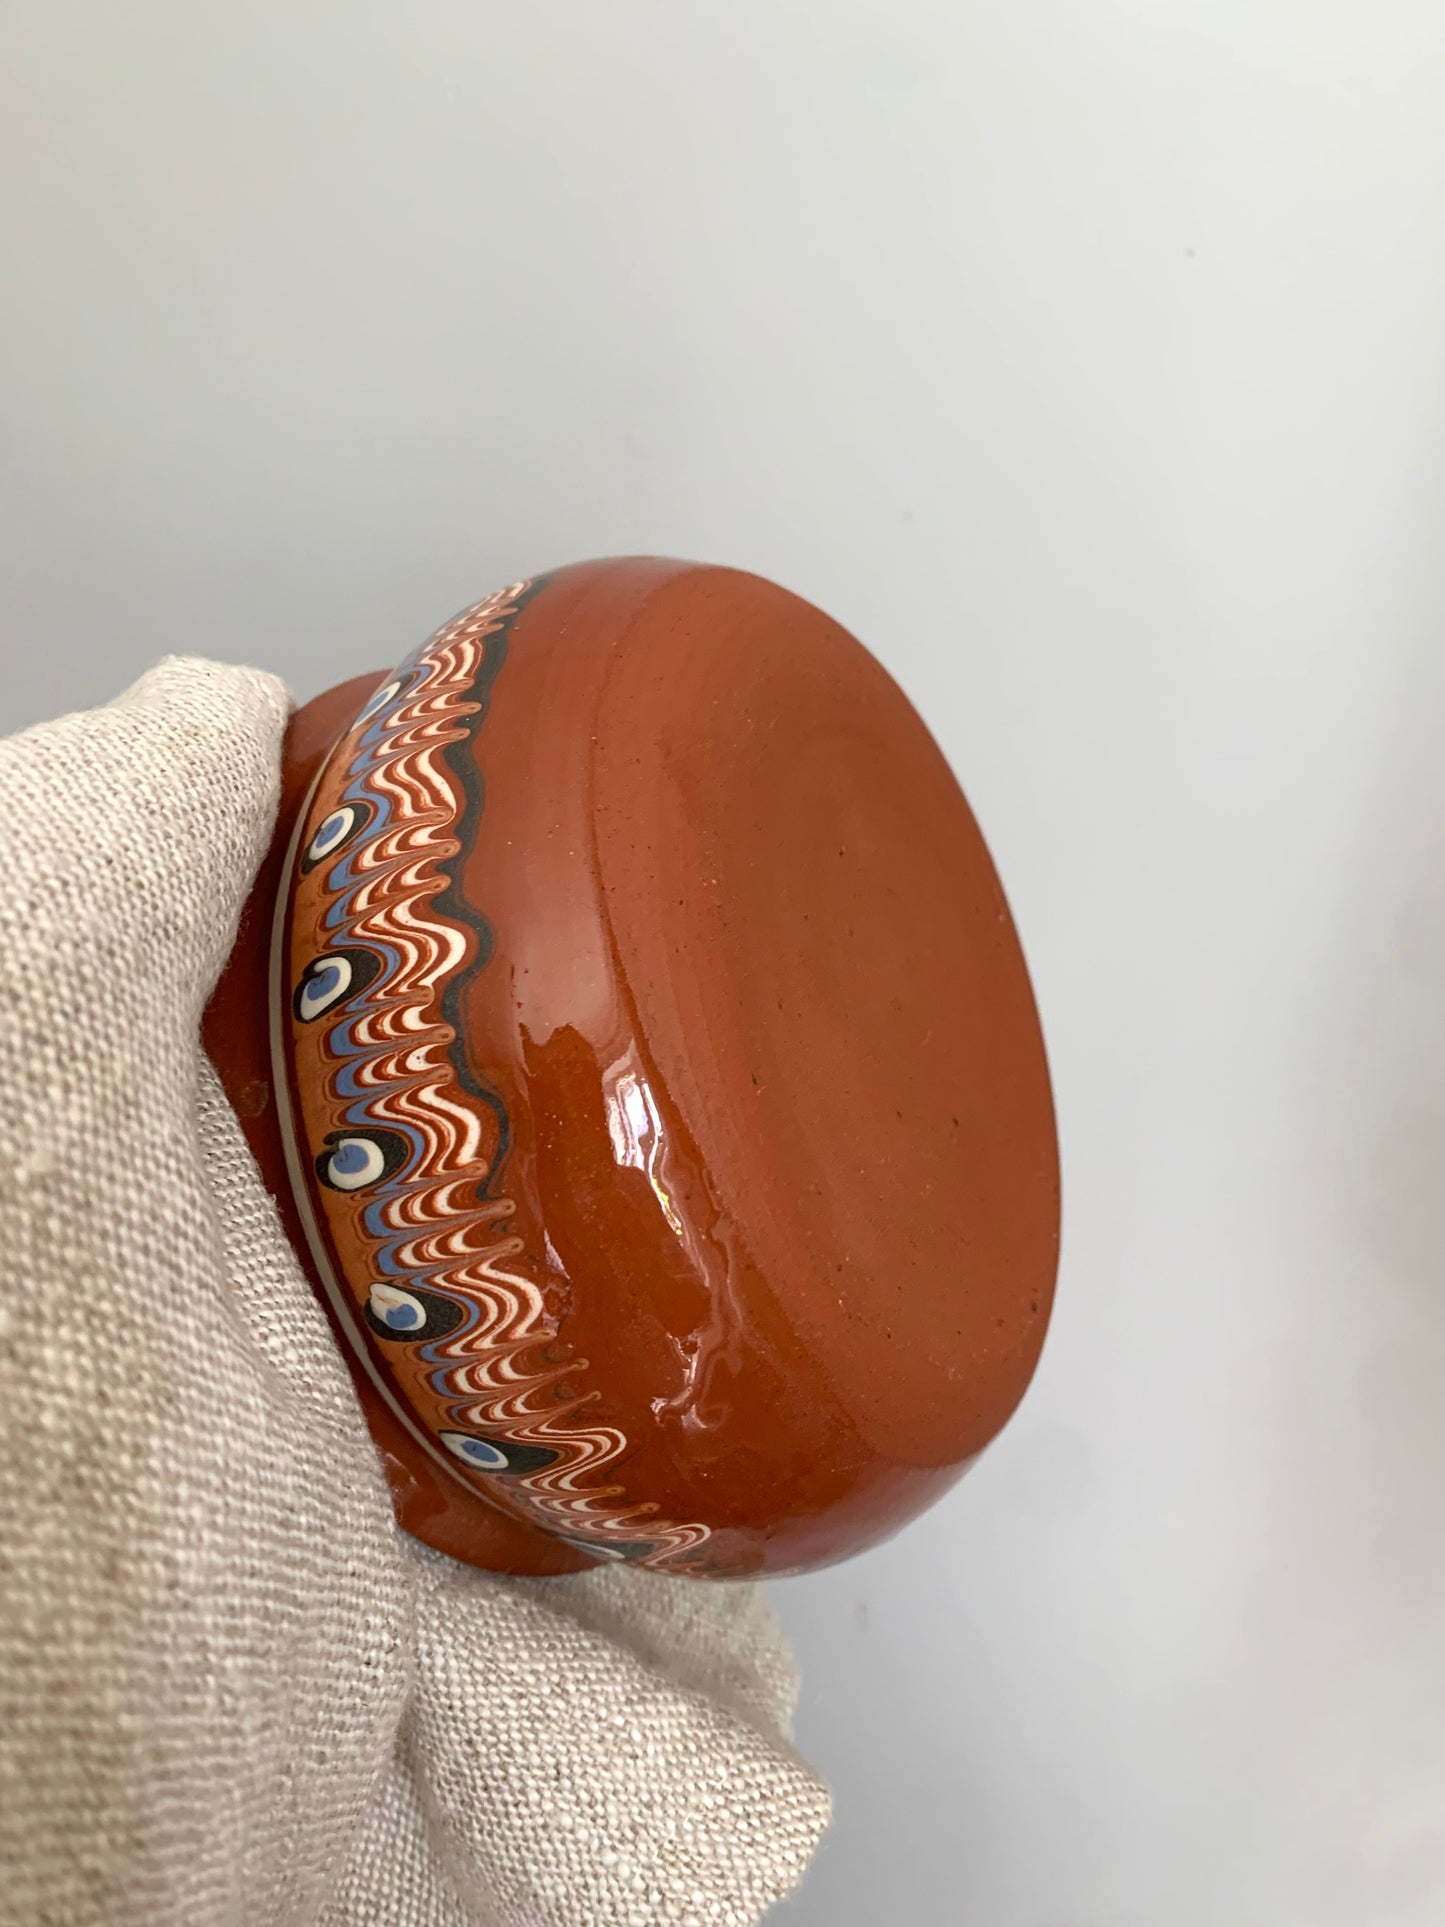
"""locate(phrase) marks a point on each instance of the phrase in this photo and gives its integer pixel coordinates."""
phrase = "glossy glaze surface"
(670, 1115)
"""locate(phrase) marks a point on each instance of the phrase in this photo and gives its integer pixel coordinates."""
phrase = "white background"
(1086, 359)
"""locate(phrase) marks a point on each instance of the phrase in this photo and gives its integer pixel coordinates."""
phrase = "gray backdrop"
(1086, 359)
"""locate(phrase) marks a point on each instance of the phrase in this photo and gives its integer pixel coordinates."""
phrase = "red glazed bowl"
(630, 1026)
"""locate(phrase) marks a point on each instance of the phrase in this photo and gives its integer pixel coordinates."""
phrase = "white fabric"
(230, 1690)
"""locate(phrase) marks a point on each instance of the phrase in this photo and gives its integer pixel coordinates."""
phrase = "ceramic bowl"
(632, 1030)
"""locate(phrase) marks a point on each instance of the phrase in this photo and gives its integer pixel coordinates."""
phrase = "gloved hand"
(230, 1690)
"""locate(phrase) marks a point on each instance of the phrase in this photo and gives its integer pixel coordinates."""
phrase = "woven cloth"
(230, 1690)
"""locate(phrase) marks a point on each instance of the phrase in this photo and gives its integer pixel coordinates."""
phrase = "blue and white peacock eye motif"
(334, 833)
(381, 936)
(411, 1314)
(497, 1455)
(328, 980)
(356, 1160)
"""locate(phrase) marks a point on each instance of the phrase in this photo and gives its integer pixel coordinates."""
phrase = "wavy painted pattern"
(406, 1142)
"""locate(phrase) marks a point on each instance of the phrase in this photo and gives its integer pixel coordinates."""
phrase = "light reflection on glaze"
(640, 1141)
(636, 1131)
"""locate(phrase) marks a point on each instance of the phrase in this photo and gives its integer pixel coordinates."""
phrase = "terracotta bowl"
(630, 1026)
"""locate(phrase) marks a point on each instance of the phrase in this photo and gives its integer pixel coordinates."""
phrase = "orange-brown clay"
(670, 1127)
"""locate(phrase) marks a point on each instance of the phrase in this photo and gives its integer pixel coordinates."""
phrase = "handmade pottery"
(630, 1026)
